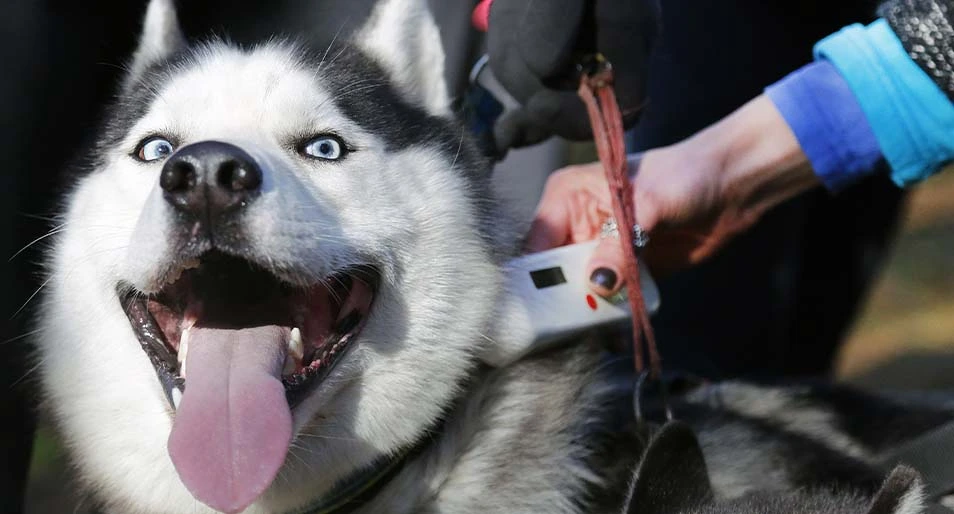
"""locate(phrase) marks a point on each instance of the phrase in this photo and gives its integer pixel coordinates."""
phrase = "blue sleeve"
(829, 124)
(911, 117)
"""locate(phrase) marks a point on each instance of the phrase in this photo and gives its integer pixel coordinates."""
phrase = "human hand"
(534, 48)
(692, 197)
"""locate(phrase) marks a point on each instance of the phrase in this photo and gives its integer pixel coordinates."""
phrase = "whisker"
(40, 217)
(52, 232)
(32, 296)
(328, 437)
(331, 44)
(21, 336)
(460, 144)
(27, 374)
(69, 272)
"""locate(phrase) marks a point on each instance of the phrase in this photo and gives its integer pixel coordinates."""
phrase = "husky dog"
(278, 289)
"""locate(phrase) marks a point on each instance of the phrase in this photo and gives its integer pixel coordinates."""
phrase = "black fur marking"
(901, 481)
(137, 94)
(364, 94)
(808, 502)
(672, 475)
(877, 422)
(809, 463)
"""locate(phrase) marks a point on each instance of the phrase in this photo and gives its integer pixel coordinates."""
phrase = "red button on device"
(591, 301)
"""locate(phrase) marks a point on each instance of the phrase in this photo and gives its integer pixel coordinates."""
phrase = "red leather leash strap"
(596, 90)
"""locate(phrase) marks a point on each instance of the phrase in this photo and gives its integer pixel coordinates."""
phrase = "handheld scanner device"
(549, 301)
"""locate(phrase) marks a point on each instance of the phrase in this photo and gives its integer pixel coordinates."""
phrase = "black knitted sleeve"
(926, 30)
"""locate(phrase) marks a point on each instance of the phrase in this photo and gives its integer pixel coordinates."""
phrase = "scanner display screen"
(549, 277)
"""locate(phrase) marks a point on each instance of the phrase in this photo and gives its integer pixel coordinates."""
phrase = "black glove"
(535, 47)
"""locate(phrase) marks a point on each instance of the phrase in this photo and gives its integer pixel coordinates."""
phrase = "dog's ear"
(402, 36)
(902, 493)
(672, 475)
(161, 37)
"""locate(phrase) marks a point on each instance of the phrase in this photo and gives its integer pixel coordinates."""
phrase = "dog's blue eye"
(324, 147)
(154, 148)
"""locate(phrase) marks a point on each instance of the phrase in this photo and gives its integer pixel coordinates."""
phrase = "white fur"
(781, 406)
(913, 500)
(160, 37)
(406, 210)
(417, 63)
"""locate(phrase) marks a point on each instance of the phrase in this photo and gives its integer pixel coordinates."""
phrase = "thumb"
(607, 262)
(643, 168)
(605, 268)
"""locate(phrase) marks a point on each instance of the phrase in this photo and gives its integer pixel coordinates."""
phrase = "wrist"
(759, 159)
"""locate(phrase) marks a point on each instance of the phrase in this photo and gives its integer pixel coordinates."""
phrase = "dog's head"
(281, 266)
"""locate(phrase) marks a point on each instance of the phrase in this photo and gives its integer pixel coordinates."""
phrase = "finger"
(551, 30)
(548, 230)
(646, 171)
(562, 112)
(573, 207)
(605, 268)
(586, 216)
(551, 226)
(515, 129)
(528, 41)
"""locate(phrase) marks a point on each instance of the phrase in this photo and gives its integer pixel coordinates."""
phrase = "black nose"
(210, 179)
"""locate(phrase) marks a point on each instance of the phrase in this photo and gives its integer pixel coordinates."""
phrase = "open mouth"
(236, 349)
(314, 325)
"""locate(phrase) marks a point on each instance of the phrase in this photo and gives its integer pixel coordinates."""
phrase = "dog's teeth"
(191, 317)
(296, 348)
(183, 350)
(191, 263)
(290, 365)
(174, 276)
(296, 352)
(176, 397)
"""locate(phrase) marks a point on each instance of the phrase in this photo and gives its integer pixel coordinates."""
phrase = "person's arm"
(827, 120)
(881, 91)
(692, 196)
(865, 101)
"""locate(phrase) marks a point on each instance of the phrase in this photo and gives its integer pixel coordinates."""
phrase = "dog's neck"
(536, 416)
(357, 489)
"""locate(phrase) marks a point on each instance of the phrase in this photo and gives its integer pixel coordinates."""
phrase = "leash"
(596, 90)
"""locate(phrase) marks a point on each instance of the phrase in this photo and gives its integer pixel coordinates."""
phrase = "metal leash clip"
(597, 69)
(641, 387)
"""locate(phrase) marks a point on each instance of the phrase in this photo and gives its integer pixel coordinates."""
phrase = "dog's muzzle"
(210, 181)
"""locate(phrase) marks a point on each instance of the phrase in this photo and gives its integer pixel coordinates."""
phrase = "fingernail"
(604, 277)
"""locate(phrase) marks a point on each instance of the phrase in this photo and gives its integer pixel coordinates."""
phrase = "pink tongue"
(233, 426)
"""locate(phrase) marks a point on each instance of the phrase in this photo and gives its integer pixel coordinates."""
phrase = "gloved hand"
(534, 49)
